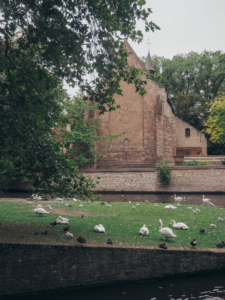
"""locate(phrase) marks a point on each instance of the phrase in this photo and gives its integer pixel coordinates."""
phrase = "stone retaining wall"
(26, 269)
(183, 179)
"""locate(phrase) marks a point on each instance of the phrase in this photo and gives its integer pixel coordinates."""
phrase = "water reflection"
(195, 287)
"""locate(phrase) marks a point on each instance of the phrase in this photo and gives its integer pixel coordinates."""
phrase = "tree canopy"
(43, 43)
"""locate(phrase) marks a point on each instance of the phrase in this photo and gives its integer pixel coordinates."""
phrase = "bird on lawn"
(193, 243)
(99, 228)
(53, 224)
(45, 232)
(170, 207)
(144, 230)
(202, 230)
(81, 240)
(66, 228)
(220, 219)
(133, 206)
(109, 242)
(69, 235)
(49, 206)
(41, 211)
(179, 225)
(37, 233)
(70, 206)
(220, 245)
(205, 199)
(198, 210)
(213, 226)
(166, 231)
(163, 246)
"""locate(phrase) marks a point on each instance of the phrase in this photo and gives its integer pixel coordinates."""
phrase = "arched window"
(187, 132)
(126, 142)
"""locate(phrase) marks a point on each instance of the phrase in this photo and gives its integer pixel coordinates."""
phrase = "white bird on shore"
(166, 231)
(70, 235)
(178, 198)
(144, 230)
(205, 199)
(59, 199)
(213, 226)
(170, 207)
(99, 228)
(41, 211)
(179, 225)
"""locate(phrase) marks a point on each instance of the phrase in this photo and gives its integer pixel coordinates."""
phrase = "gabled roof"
(128, 46)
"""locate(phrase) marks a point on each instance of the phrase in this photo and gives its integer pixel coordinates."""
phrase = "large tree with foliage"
(45, 42)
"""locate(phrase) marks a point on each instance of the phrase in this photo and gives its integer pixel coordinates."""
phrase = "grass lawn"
(122, 223)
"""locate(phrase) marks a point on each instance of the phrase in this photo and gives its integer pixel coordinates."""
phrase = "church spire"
(149, 65)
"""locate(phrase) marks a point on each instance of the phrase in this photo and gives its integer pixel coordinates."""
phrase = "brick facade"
(150, 125)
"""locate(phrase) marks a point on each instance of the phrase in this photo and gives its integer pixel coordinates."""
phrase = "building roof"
(149, 65)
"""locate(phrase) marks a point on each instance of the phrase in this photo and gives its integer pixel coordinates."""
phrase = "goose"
(205, 199)
(81, 240)
(133, 206)
(220, 219)
(108, 205)
(193, 243)
(198, 210)
(178, 204)
(36, 197)
(74, 199)
(178, 198)
(109, 242)
(202, 230)
(69, 235)
(163, 246)
(213, 226)
(137, 204)
(194, 211)
(41, 211)
(144, 230)
(166, 231)
(170, 207)
(49, 206)
(179, 225)
(99, 228)
(220, 245)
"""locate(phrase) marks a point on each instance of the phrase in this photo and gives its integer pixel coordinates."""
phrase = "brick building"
(152, 129)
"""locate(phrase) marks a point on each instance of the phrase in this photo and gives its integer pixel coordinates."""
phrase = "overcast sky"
(186, 25)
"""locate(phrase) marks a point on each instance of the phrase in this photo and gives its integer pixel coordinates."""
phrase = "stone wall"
(183, 179)
(26, 269)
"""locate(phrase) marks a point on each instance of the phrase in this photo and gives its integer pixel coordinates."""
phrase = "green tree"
(42, 43)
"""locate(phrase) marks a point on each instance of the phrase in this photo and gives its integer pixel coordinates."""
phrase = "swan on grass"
(170, 207)
(166, 231)
(62, 221)
(69, 235)
(179, 225)
(144, 230)
(99, 228)
(41, 211)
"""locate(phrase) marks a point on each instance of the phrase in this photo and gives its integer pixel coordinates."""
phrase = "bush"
(164, 171)
(223, 161)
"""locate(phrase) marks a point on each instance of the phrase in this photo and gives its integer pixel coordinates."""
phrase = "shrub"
(164, 171)
(223, 161)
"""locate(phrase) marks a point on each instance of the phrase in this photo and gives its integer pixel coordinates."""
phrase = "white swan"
(62, 221)
(166, 231)
(178, 198)
(144, 230)
(39, 206)
(205, 199)
(99, 228)
(41, 211)
(170, 207)
(179, 225)
(70, 235)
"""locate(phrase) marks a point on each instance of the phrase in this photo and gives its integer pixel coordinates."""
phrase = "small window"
(187, 132)
(126, 142)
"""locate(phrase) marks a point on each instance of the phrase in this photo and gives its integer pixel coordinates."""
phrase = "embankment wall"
(26, 269)
(183, 179)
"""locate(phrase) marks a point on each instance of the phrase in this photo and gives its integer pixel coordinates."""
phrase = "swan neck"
(160, 222)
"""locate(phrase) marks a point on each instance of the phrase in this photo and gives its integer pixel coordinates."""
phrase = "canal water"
(209, 286)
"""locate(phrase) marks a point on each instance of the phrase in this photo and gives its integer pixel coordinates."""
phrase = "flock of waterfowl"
(167, 232)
